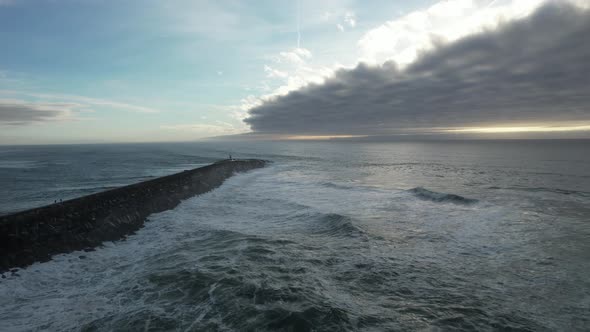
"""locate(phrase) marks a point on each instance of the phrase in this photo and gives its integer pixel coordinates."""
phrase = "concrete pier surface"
(83, 223)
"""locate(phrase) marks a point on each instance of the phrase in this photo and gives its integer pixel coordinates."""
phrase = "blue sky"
(109, 71)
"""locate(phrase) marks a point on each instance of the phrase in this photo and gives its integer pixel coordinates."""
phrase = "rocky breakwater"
(84, 223)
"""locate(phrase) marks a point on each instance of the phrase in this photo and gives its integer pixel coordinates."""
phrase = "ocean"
(331, 236)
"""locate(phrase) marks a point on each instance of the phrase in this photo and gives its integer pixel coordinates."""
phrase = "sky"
(92, 71)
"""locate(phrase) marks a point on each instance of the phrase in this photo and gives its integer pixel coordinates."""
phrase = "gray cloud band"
(22, 114)
(534, 70)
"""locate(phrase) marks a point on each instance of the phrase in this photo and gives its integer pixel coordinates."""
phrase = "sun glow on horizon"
(519, 129)
(320, 137)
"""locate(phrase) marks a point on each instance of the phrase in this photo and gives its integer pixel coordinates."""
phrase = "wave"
(543, 189)
(333, 224)
(426, 194)
(333, 185)
(224, 299)
(19, 164)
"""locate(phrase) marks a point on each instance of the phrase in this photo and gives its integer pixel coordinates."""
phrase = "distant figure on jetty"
(230, 158)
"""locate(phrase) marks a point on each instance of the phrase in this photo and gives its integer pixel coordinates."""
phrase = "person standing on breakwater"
(230, 158)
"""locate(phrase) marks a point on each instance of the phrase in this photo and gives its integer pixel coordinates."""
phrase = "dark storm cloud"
(20, 113)
(530, 71)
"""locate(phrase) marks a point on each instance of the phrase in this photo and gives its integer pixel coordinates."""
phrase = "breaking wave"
(333, 224)
(433, 196)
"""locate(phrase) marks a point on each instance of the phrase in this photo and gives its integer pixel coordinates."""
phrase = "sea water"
(464, 235)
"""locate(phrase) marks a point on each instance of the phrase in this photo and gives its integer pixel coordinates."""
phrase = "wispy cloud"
(97, 102)
(205, 129)
(274, 73)
(296, 56)
(59, 104)
(350, 19)
(25, 108)
(342, 19)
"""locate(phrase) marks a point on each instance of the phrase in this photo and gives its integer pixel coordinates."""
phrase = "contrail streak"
(298, 23)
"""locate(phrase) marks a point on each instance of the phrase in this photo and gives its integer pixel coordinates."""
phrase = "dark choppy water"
(332, 236)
